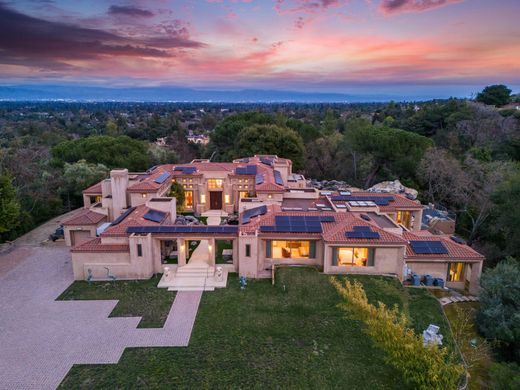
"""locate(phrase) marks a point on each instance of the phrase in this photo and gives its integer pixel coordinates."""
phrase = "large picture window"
(455, 272)
(278, 249)
(353, 257)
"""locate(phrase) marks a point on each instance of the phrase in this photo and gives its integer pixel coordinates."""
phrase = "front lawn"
(137, 298)
(291, 335)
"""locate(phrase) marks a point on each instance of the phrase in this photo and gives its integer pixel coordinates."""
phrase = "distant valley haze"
(251, 50)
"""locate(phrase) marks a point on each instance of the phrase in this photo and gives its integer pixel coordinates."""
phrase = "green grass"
(291, 335)
(479, 359)
(137, 298)
(221, 245)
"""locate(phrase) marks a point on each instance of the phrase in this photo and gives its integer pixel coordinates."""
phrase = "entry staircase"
(199, 274)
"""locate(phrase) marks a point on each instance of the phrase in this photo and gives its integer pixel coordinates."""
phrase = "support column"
(181, 252)
(235, 254)
(474, 283)
(212, 249)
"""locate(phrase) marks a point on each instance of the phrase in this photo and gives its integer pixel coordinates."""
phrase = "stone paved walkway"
(40, 338)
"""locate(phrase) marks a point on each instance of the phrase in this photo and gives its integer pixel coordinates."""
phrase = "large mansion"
(130, 229)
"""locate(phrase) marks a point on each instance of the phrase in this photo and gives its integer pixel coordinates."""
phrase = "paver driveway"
(40, 338)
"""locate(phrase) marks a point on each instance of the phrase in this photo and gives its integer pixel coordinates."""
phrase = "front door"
(215, 200)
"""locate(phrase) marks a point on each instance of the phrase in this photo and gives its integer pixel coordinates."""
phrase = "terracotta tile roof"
(135, 218)
(95, 245)
(333, 232)
(147, 183)
(86, 217)
(455, 251)
(400, 202)
(95, 189)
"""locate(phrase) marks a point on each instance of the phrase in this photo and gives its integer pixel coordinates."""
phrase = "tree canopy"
(9, 206)
(496, 95)
(271, 139)
(77, 177)
(113, 152)
(396, 151)
(499, 315)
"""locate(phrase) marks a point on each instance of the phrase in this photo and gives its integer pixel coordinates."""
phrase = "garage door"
(78, 237)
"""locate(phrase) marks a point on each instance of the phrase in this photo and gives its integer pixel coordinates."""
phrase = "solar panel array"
(195, 229)
(186, 170)
(259, 179)
(428, 247)
(379, 200)
(362, 232)
(161, 179)
(247, 170)
(120, 219)
(155, 216)
(278, 178)
(297, 224)
(251, 213)
(266, 161)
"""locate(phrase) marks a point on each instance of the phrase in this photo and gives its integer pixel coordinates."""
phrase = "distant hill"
(178, 94)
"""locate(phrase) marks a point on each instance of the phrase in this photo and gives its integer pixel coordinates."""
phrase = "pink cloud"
(393, 7)
(306, 6)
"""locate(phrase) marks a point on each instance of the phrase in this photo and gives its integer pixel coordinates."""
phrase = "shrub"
(422, 367)
(505, 376)
(499, 315)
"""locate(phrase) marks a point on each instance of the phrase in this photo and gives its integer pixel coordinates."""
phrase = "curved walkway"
(41, 338)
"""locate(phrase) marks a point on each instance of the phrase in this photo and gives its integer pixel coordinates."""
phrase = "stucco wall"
(71, 228)
(387, 260)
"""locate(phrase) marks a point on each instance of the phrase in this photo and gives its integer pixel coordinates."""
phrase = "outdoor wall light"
(202, 198)
(227, 199)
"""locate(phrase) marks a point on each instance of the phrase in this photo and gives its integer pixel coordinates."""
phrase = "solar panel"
(120, 219)
(251, 213)
(247, 170)
(266, 161)
(378, 200)
(297, 224)
(259, 179)
(362, 232)
(428, 247)
(161, 179)
(278, 178)
(186, 170)
(200, 229)
(362, 228)
(155, 216)
(328, 218)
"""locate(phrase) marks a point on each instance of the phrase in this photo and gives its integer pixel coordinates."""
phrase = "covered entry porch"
(200, 262)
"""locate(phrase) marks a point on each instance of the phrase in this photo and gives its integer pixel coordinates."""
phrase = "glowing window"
(455, 272)
(188, 199)
(292, 250)
(353, 257)
(215, 183)
(404, 218)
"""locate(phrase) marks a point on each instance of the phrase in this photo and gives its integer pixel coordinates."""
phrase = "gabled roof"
(456, 251)
(85, 217)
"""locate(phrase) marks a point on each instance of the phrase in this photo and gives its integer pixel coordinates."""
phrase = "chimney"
(119, 183)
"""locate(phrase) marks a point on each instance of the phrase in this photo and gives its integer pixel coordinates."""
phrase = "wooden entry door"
(215, 200)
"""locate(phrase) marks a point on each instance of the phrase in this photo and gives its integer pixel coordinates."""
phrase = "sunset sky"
(304, 45)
